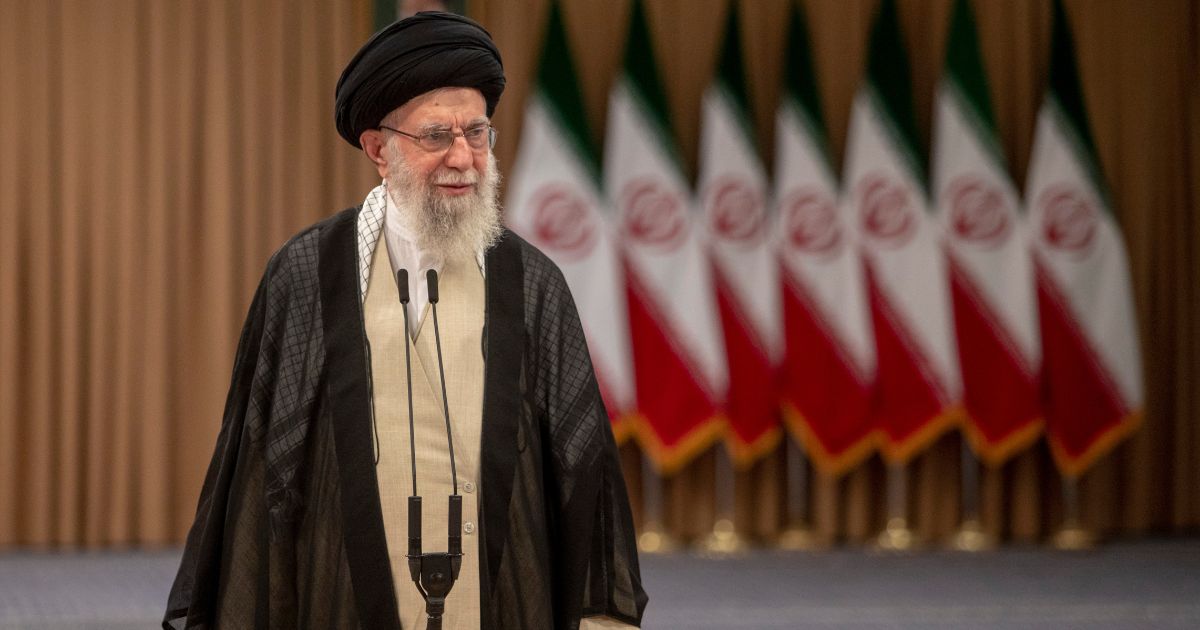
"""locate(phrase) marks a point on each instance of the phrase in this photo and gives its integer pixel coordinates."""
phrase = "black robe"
(289, 531)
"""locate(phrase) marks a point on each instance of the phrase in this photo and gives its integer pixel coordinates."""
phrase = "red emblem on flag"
(563, 224)
(652, 215)
(1069, 219)
(737, 212)
(978, 214)
(811, 222)
(887, 213)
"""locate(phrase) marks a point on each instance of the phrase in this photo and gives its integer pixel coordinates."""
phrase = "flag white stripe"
(991, 243)
(547, 162)
(676, 271)
(749, 264)
(1092, 270)
(827, 263)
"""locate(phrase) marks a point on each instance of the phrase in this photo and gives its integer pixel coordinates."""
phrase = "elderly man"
(304, 517)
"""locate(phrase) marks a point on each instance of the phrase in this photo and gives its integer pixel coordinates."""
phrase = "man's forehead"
(452, 104)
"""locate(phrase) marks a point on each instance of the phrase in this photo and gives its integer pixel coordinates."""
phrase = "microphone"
(414, 500)
(432, 279)
(433, 573)
(402, 285)
(440, 570)
(454, 541)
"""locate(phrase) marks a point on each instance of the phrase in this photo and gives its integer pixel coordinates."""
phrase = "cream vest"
(460, 317)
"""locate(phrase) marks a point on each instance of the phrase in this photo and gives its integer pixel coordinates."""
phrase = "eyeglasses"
(436, 140)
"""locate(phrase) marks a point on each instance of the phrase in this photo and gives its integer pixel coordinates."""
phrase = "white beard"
(457, 227)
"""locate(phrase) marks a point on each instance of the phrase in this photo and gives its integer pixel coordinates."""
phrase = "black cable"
(431, 278)
(402, 287)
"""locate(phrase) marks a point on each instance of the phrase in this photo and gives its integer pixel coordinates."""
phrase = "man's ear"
(372, 142)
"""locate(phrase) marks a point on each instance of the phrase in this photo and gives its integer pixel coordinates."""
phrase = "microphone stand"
(434, 573)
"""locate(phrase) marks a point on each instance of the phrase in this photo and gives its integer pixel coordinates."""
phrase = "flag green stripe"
(1087, 160)
(665, 141)
(964, 65)
(800, 81)
(897, 140)
(642, 73)
(888, 76)
(1066, 95)
(557, 82)
(813, 129)
(731, 75)
(984, 131)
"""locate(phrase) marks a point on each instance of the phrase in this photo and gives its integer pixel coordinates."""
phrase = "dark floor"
(1149, 584)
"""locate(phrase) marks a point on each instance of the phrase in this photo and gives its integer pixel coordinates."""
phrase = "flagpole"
(1072, 536)
(971, 535)
(799, 535)
(654, 537)
(724, 539)
(897, 536)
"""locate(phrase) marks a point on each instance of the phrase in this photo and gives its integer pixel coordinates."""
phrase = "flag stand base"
(1073, 537)
(800, 537)
(723, 540)
(655, 539)
(971, 537)
(897, 536)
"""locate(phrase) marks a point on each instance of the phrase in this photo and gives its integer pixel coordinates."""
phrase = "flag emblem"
(810, 219)
(563, 223)
(978, 215)
(653, 216)
(738, 213)
(1069, 220)
(887, 214)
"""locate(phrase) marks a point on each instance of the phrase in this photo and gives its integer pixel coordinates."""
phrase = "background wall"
(153, 155)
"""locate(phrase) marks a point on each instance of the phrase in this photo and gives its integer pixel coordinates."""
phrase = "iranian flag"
(829, 364)
(991, 270)
(555, 201)
(1092, 361)
(679, 363)
(918, 375)
(733, 187)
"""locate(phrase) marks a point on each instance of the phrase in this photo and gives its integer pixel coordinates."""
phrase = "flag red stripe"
(820, 381)
(752, 404)
(910, 407)
(1081, 401)
(1001, 394)
(670, 396)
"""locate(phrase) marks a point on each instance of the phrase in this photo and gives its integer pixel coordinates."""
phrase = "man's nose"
(459, 155)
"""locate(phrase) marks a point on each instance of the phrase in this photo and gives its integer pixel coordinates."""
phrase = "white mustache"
(455, 179)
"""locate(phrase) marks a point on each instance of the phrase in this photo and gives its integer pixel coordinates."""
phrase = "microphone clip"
(435, 573)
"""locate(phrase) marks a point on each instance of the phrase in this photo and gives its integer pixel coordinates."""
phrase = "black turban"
(427, 51)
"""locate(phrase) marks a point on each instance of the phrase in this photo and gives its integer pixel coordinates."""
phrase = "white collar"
(380, 211)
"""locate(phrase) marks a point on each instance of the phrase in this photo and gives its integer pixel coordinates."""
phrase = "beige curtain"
(153, 155)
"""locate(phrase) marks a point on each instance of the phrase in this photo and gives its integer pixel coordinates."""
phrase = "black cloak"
(289, 531)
